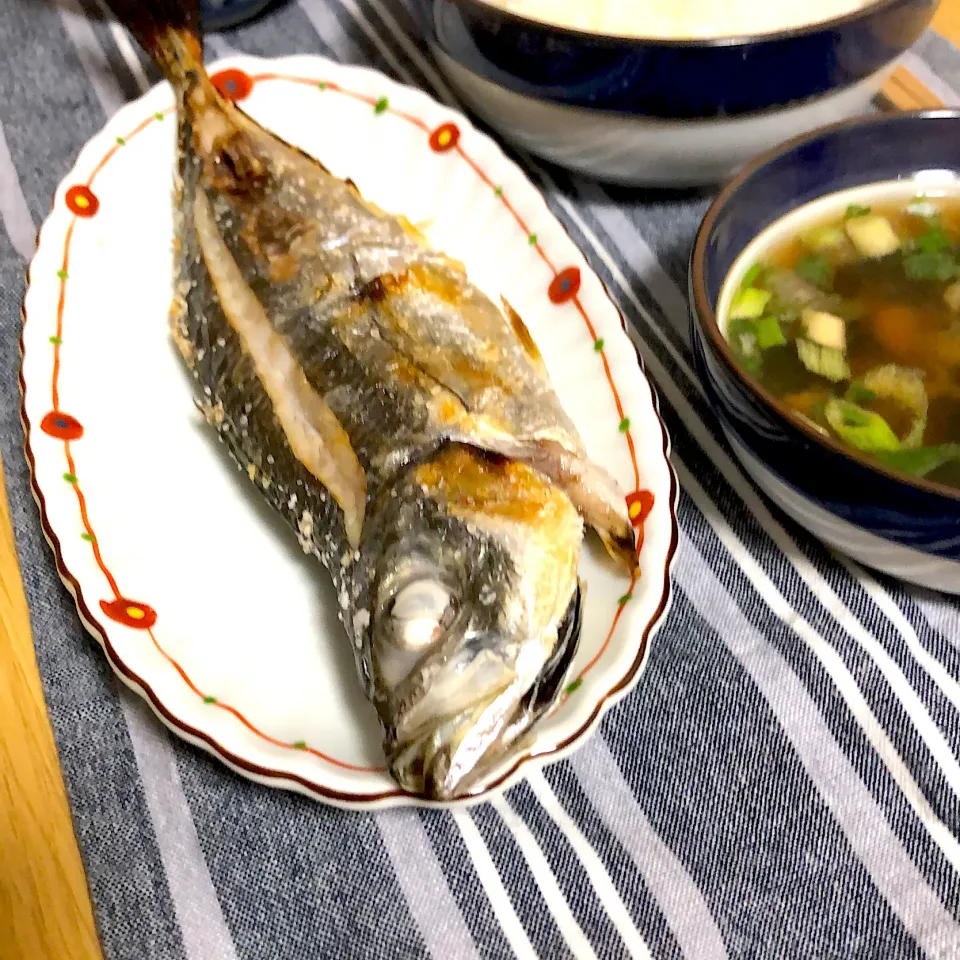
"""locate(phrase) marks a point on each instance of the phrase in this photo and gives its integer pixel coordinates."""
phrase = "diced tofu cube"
(951, 296)
(827, 329)
(872, 236)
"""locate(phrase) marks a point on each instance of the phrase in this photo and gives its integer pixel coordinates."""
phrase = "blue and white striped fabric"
(783, 783)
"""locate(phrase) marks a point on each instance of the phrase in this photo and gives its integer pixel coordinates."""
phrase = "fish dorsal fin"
(312, 429)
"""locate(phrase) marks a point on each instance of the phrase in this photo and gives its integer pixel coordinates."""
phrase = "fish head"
(476, 614)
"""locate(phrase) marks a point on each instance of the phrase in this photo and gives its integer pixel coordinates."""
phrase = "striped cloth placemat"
(784, 782)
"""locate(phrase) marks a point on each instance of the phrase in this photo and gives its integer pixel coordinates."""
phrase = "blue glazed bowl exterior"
(673, 79)
(921, 515)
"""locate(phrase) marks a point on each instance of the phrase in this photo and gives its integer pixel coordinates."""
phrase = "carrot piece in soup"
(898, 329)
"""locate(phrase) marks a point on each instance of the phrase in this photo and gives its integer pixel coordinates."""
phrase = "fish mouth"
(451, 759)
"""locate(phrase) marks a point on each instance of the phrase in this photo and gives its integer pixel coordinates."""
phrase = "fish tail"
(168, 30)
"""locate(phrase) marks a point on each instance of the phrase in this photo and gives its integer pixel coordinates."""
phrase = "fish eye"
(421, 612)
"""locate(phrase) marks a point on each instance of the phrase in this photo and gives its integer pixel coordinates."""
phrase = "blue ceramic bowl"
(909, 528)
(659, 111)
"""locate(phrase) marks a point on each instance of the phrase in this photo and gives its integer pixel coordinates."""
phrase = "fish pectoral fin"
(622, 547)
(602, 510)
(311, 428)
(594, 492)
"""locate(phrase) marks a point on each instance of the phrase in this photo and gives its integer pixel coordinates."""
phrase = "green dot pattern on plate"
(300, 745)
(70, 478)
(209, 699)
(598, 344)
(158, 115)
(533, 239)
(499, 191)
(56, 341)
(121, 142)
(575, 686)
(625, 599)
(322, 85)
(87, 536)
(624, 424)
(381, 105)
(62, 274)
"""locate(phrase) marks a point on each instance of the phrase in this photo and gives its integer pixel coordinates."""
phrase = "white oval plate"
(200, 597)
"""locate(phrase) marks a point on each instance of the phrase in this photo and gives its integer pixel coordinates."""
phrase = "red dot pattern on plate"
(131, 613)
(61, 425)
(82, 201)
(444, 138)
(565, 286)
(639, 505)
(233, 84)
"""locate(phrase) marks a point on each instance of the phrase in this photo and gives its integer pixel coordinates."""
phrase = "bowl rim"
(731, 40)
(706, 318)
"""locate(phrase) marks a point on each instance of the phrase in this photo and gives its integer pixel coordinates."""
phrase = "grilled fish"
(402, 423)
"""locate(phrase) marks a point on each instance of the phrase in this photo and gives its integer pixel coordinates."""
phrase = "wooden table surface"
(44, 905)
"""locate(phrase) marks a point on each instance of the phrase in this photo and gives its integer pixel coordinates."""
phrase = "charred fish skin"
(327, 266)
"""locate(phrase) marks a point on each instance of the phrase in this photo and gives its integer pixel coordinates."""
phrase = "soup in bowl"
(848, 312)
(825, 286)
(666, 92)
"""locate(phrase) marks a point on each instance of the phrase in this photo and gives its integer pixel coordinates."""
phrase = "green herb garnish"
(931, 266)
(933, 240)
(856, 210)
(816, 269)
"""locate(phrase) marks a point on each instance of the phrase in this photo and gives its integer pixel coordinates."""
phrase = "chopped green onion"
(904, 386)
(861, 428)
(750, 304)
(858, 393)
(751, 276)
(826, 362)
(922, 460)
(768, 333)
(817, 269)
(856, 210)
